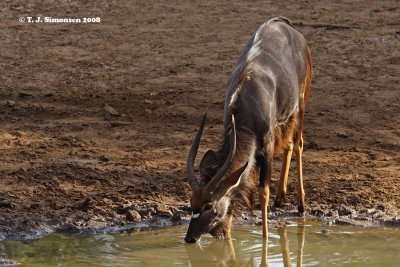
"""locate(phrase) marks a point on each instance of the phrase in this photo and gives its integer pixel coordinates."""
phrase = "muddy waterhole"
(299, 244)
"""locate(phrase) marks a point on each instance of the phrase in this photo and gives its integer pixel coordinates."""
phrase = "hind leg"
(298, 142)
(298, 149)
(280, 196)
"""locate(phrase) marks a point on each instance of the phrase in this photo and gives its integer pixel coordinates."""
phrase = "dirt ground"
(69, 162)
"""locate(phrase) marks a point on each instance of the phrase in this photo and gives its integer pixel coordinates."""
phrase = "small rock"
(103, 158)
(326, 232)
(148, 101)
(369, 176)
(10, 103)
(348, 221)
(394, 222)
(344, 211)
(312, 145)
(34, 206)
(133, 216)
(375, 213)
(380, 207)
(87, 204)
(119, 123)
(151, 210)
(110, 110)
(342, 135)
(148, 111)
(24, 94)
(48, 94)
(317, 212)
(353, 200)
(355, 149)
(333, 213)
(7, 262)
(121, 209)
(96, 224)
(7, 204)
(68, 227)
(42, 146)
(165, 213)
(36, 106)
(329, 223)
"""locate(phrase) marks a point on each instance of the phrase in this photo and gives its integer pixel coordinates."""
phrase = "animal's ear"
(231, 181)
(208, 160)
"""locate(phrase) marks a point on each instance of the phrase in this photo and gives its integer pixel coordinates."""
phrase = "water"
(298, 245)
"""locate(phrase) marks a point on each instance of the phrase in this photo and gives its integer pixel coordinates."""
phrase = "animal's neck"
(242, 195)
(245, 151)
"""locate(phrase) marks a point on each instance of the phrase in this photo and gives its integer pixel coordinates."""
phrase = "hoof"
(300, 209)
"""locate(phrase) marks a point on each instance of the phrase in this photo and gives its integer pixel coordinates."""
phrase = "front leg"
(265, 163)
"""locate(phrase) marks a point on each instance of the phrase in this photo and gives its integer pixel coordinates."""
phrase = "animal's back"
(266, 82)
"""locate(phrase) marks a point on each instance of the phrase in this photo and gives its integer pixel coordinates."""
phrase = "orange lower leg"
(280, 196)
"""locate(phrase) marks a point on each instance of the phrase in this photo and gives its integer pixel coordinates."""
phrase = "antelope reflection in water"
(222, 252)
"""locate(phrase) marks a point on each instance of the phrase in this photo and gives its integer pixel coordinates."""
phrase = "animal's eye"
(207, 206)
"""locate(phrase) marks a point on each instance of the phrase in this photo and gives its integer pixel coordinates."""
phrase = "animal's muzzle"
(196, 228)
(190, 239)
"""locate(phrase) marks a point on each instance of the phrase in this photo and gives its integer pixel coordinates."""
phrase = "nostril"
(189, 239)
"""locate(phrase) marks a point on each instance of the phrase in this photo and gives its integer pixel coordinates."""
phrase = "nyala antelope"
(264, 115)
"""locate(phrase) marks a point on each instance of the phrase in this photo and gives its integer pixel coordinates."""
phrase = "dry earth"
(70, 162)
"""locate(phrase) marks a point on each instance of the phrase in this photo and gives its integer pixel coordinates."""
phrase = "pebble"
(312, 145)
(326, 232)
(345, 210)
(36, 106)
(133, 215)
(7, 204)
(7, 262)
(119, 123)
(104, 158)
(110, 110)
(342, 135)
(10, 103)
(24, 94)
